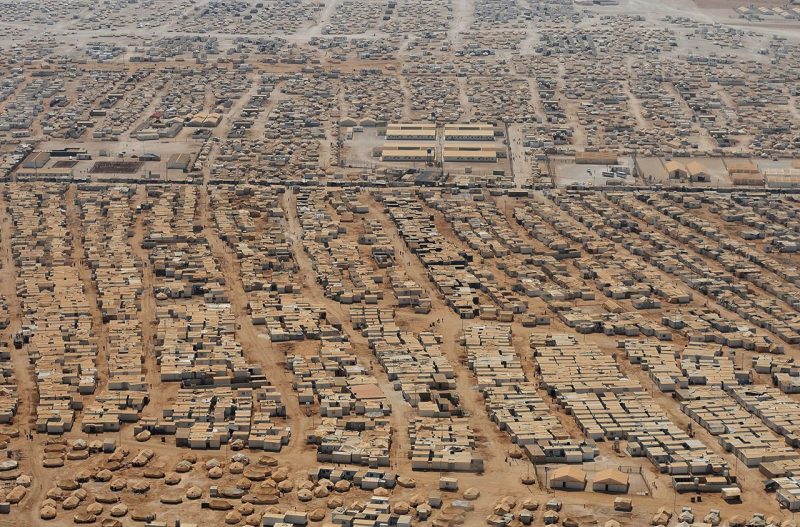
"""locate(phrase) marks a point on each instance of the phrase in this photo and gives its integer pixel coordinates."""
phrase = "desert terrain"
(374, 263)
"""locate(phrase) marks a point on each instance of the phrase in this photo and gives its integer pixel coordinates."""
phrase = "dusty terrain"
(223, 301)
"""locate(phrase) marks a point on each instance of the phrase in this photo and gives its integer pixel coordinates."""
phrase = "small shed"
(568, 477)
(449, 484)
(611, 480)
(623, 504)
(732, 494)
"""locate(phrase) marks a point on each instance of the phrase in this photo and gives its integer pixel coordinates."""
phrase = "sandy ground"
(502, 476)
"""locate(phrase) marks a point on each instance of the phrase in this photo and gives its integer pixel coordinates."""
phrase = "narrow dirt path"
(26, 387)
(402, 412)
(463, 99)
(635, 107)
(570, 109)
(463, 15)
(536, 100)
(24, 420)
(159, 393)
(235, 111)
(408, 98)
(450, 326)
(100, 330)
(325, 15)
(256, 346)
